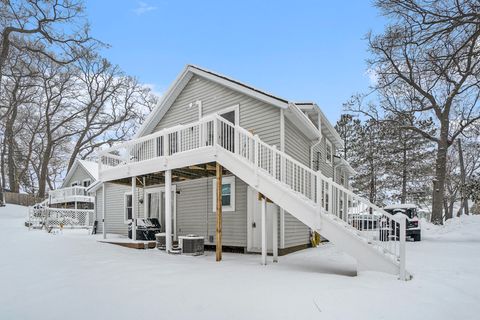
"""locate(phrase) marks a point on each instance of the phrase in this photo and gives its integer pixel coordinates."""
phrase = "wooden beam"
(218, 242)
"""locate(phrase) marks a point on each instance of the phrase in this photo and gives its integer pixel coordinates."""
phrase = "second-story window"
(329, 152)
(316, 161)
(342, 178)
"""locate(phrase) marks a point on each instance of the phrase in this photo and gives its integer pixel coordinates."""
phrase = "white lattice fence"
(68, 218)
(57, 217)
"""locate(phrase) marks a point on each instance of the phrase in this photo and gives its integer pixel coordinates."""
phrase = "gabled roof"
(311, 109)
(90, 167)
(294, 114)
(342, 163)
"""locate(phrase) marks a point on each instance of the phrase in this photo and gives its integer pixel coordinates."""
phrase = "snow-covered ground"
(72, 276)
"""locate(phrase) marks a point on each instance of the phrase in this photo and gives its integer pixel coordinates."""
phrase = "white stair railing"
(368, 222)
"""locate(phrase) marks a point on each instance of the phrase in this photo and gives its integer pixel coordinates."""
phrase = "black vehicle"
(413, 229)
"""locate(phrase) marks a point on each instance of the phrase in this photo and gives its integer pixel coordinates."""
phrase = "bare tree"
(59, 90)
(428, 70)
(111, 107)
(38, 26)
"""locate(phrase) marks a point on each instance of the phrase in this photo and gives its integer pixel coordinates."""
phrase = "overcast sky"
(298, 50)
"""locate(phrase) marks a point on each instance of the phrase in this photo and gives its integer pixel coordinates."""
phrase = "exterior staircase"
(375, 238)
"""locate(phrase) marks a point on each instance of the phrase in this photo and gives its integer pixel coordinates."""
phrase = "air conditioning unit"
(191, 244)
(161, 240)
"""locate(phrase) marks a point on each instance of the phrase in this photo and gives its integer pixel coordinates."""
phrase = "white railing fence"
(44, 217)
(66, 193)
(366, 220)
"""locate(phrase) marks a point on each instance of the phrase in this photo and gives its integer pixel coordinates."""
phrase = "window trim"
(225, 180)
(328, 144)
(125, 215)
(235, 108)
(83, 182)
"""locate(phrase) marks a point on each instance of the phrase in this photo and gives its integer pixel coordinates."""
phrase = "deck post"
(134, 209)
(104, 213)
(218, 238)
(275, 235)
(264, 231)
(168, 211)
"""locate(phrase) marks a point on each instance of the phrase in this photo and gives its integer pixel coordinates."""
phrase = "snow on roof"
(401, 206)
(91, 167)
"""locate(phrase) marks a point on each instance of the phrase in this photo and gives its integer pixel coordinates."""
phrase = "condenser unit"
(191, 244)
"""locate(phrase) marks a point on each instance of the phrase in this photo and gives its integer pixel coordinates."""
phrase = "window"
(86, 182)
(228, 194)
(329, 151)
(342, 178)
(316, 162)
(128, 204)
(75, 183)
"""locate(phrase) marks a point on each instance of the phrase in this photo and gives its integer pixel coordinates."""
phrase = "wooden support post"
(134, 209)
(104, 213)
(168, 210)
(264, 231)
(275, 235)
(218, 239)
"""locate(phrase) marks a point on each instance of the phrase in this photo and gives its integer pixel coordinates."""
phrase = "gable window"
(75, 183)
(228, 194)
(128, 206)
(86, 182)
(329, 152)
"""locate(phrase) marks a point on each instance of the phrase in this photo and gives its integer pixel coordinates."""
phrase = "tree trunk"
(42, 181)
(404, 176)
(464, 199)
(440, 175)
(10, 142)
(2, 165)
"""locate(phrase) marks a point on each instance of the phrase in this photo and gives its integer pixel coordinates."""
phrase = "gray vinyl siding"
(298, 147)
(115, 212)
(195, 213)
(261, 118)
(324, 167)
(296, 233)
(80, 174)
(296, 144)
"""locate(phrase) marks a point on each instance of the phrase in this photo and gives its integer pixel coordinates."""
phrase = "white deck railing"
(69, 194)
(385, 231)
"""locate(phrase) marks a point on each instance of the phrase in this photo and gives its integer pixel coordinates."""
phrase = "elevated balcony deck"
(70, 194)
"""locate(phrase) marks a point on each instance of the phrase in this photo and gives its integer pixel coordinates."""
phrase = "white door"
(254, 221)
(155, 207)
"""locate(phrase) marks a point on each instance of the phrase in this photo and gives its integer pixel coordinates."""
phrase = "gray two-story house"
(300, 130)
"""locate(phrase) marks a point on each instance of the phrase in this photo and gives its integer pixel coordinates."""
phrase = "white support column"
(104, 212)
(264, 231)
(168, 210)
(144, 198)
(275, 235)
(134, 209)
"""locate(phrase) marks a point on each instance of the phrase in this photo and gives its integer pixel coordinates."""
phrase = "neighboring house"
(73, 191)
(285, 150)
